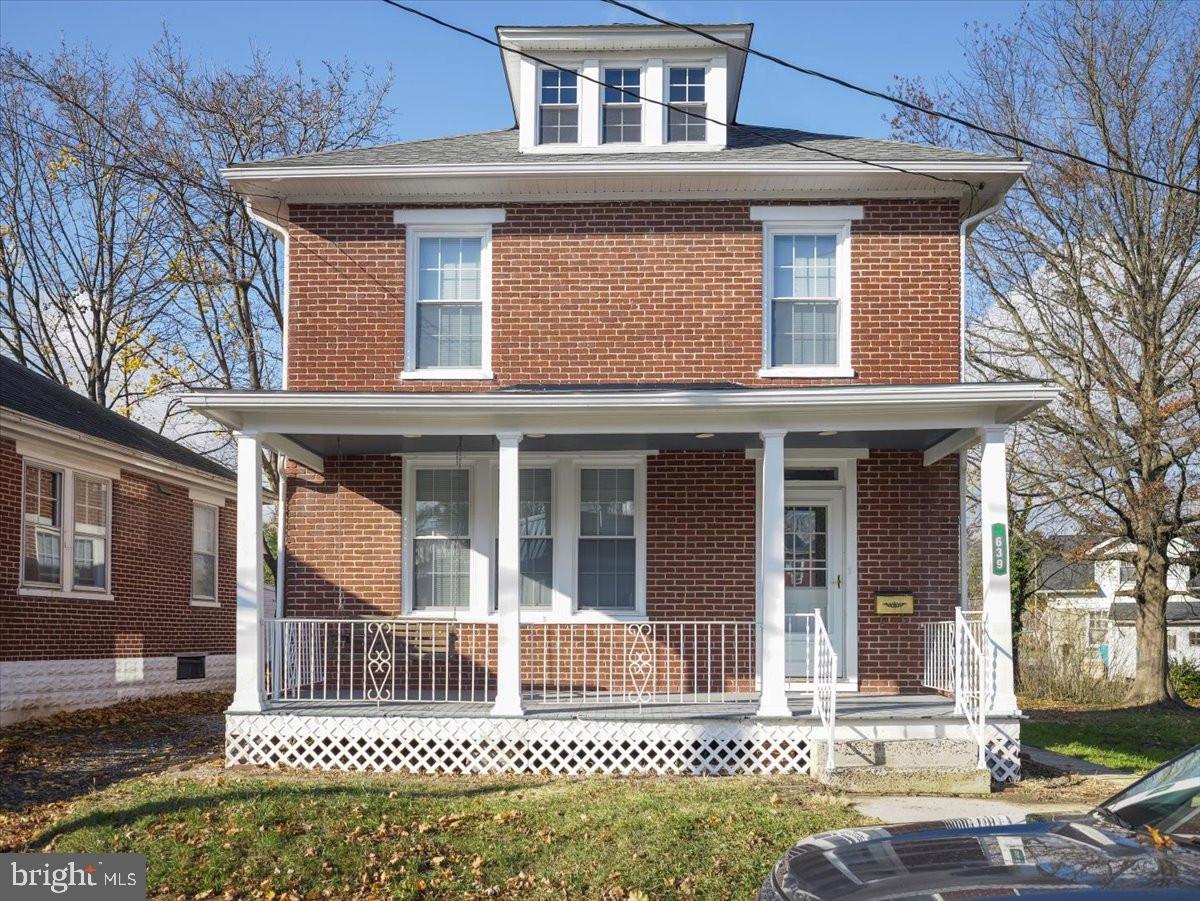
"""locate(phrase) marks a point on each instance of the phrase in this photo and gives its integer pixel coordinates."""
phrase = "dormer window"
(622, 106)
(685, 94)
(558, 107)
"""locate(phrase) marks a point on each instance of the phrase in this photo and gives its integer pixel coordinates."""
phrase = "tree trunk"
(1151, 679)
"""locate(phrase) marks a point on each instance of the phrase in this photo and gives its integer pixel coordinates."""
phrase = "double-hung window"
(537, 537)
(204, 552)
(806, 290)
(441, 544)
(607, 563)
(622, 108)
(685, 96)
(63, 510)
(558, 107)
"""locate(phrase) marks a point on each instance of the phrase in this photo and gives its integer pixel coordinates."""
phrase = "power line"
(635, 95)
(871, 92)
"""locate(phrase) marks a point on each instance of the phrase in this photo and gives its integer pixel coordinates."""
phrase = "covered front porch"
(706, 569)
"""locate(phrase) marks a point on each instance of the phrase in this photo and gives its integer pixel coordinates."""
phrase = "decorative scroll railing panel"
(656, 662)
(379, 661)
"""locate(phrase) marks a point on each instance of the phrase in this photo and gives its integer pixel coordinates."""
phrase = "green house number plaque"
(999, 549)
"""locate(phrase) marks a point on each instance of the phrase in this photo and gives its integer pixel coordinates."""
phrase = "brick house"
(117, 556)
(623, 439)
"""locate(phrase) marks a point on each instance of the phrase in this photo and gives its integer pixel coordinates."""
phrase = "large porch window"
(607, 539)
(442, 539)
(537, 537)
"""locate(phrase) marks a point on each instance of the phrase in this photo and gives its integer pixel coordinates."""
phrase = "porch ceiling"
(621, 417)
(336, 445)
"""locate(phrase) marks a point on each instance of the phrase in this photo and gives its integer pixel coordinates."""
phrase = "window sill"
(807, 372)
(197, 602)
(29, 591)
(447, 375)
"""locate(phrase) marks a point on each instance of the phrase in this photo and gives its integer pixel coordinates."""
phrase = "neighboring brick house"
(621, 406)
(117, 556)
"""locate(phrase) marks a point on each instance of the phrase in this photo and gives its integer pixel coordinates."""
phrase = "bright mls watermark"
(98, 877)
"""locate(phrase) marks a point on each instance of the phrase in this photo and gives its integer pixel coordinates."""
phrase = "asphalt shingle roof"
(501, 147)
(1185, 611)
(24, 391)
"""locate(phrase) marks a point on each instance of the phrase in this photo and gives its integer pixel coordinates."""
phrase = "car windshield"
(1167, 800)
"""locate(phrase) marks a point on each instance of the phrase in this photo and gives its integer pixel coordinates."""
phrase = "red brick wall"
(908, 520)
(700, 535)
(150, 614)
(619, 292)
(344, 531)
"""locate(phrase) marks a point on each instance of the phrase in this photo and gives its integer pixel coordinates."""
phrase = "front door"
(814, 542)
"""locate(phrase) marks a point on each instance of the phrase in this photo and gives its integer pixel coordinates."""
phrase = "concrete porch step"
(875, 780)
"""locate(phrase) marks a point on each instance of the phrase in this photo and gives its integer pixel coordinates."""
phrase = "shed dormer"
(608, 99)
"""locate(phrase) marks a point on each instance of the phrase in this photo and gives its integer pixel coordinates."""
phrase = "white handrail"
(971, 679)
(824, 683)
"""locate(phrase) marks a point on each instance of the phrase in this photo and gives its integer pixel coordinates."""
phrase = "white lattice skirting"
(479, 745)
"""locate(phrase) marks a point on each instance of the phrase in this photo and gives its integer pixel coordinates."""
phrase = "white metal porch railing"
(655, 662)
(378, 660)
(956, 663)
(824, 683)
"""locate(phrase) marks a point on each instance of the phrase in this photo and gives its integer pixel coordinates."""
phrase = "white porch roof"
(921, 417)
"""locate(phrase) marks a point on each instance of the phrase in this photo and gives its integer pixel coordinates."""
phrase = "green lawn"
(1133, 740)
(278, 835)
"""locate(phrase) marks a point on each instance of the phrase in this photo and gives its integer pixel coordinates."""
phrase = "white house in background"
(1090, 600)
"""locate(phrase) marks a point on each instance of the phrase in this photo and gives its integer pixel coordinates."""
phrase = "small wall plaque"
(894, 604)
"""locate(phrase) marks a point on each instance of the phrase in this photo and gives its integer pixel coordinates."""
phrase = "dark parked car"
(1144, 840)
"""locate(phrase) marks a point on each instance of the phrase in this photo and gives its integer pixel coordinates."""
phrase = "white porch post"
(247, 695)
(508, 584)
(997, 592)
(773, 696)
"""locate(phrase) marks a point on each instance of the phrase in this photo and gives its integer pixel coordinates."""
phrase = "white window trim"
(818, 224)
(200, 600)
(483, 478)
(412, 238)
(667, 66)
(65, 587)
(575, 67)
(643, 67)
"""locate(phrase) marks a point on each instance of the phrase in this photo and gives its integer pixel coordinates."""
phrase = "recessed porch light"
(828, 433)
(535, 434)
(410, 436)
(704, 434)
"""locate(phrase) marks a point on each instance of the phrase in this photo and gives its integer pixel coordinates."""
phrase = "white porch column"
(997, 592)
(247, 695)
(773, 697)
(508, 580)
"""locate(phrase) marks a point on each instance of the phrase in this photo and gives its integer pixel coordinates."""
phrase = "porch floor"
(850, 706)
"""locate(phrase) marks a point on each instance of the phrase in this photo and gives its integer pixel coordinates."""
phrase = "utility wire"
(870, 92)
(636, 95)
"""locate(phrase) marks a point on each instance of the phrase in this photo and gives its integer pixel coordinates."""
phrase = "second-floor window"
(448, 302)
(622, 114)
(685, 94)
(558, 107)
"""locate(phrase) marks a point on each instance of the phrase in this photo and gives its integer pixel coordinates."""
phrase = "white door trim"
(848, 482)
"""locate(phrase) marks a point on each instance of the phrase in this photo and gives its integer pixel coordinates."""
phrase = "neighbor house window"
(537, 537)
(1194, 639)
(685, 94)
(1097, 629)
(43, 526)
(622, 110)
(607, 539)
(91, 533)
(1171, 642)
(65, 511)
(558, 107)
(441, 545)
(204, 552)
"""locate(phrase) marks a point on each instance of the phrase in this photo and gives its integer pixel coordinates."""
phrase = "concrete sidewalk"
(917, 808)
(1064, 764)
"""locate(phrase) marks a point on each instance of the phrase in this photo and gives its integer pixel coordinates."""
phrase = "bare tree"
(1091, 279)
(84, 280)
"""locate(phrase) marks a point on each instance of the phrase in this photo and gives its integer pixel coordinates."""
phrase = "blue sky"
(449, 84)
